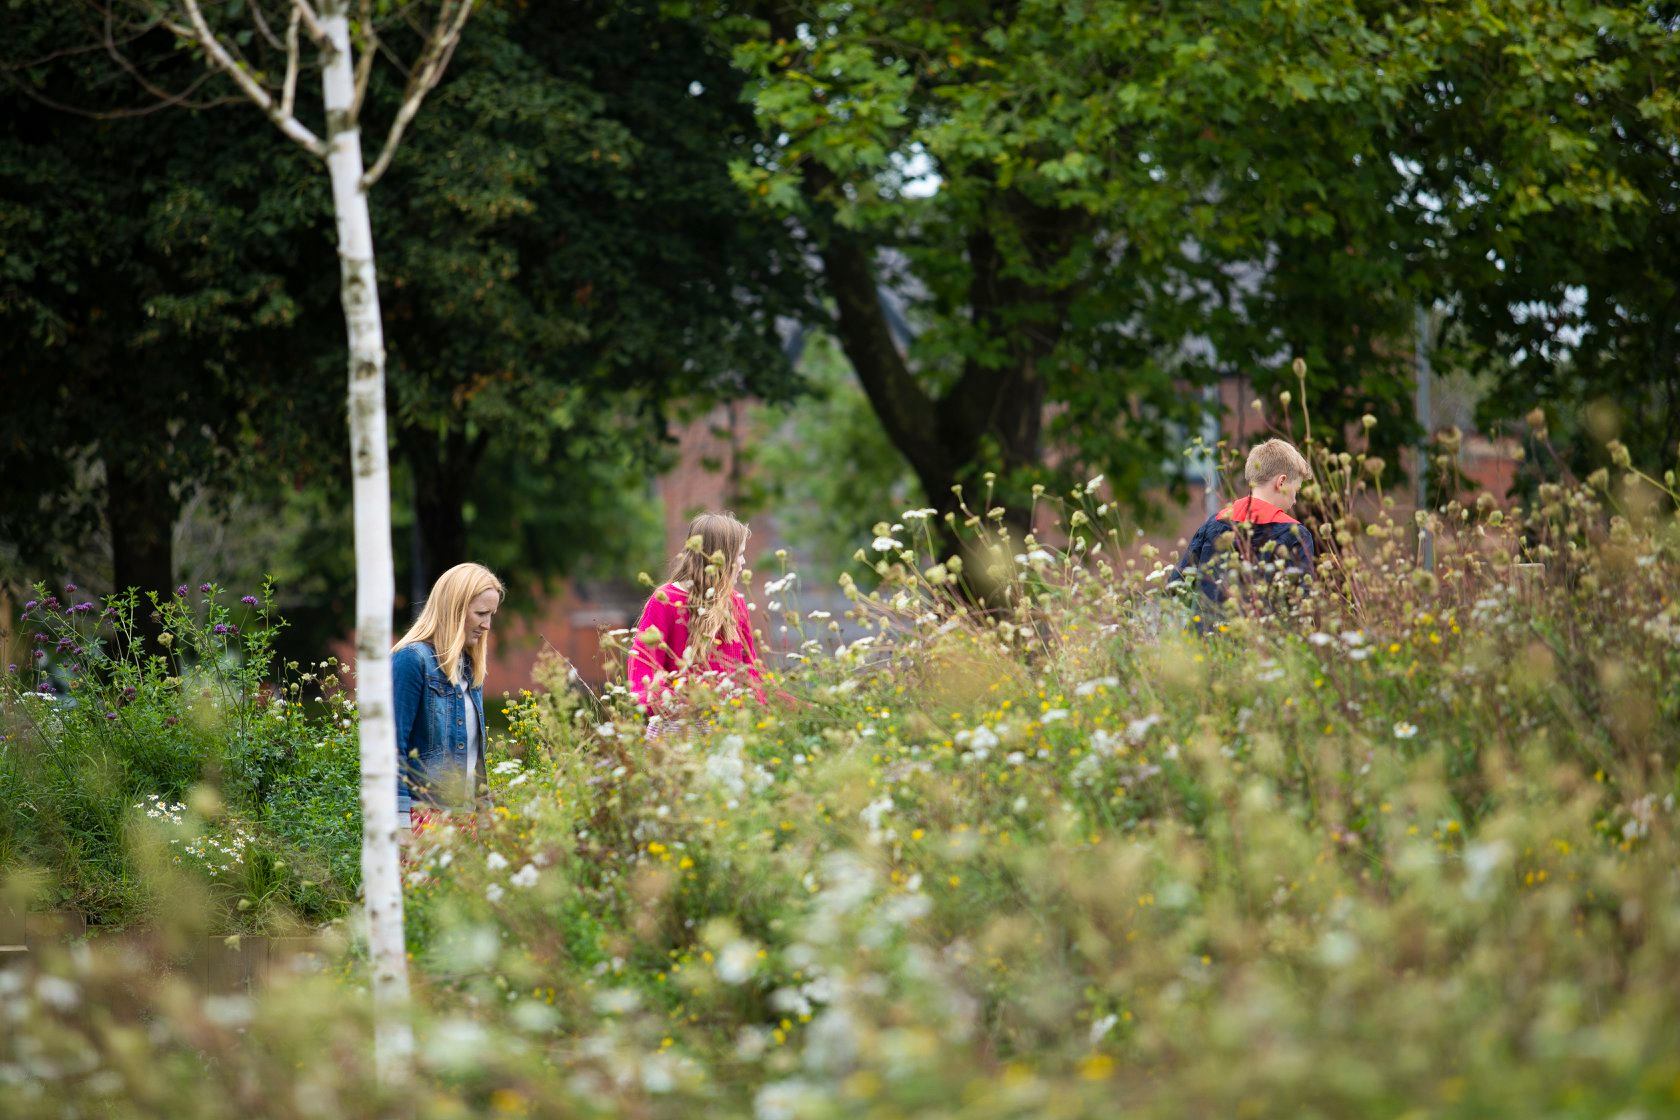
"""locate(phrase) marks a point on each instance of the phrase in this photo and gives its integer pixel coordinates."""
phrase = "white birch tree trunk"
(375, 581)
(342, 84)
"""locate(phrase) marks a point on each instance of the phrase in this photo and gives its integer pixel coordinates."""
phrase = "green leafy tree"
(1068, 202)
(1548, 158)
(568, 259)
(153, 335)
(1093, 207)
(565, 258)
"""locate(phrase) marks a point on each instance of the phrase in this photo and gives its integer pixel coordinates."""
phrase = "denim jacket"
(432, 719)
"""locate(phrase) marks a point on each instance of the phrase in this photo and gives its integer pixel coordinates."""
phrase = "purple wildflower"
(110, 715)
(40, 655)
(69, 589)
(204, 587)
(82, 608)
(181, 590)
(219, 628)
(12, 668)
(40, 637)
(52, 601)
(249, 600)
(31, 605)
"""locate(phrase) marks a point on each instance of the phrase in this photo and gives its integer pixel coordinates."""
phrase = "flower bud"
(1299, 365)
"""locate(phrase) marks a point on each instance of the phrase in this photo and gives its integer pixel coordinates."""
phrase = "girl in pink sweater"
(695, 626)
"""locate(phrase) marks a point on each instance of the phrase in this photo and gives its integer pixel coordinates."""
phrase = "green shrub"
(107, 724)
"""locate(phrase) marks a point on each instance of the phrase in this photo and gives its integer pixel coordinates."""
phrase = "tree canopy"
(1092, 207)
(565, 262)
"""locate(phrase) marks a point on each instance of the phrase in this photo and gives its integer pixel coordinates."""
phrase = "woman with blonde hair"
(437, 676)
(695, 625)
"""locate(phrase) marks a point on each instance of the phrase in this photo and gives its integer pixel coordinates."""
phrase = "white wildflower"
(1086, 771)
(525, 877)
(456, 1044)
(1089, 688)
(495, 861)
(737, 961)
(1404, 730)
(1138, 729)
(227, 1010)
(886, 544)
(1338, 948)
(1481, 861)
(787, 1100)
(872, 814)
(725, 768)
(57, 992)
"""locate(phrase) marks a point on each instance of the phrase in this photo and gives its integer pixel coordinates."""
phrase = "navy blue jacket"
(1249, 530)
(432, 719)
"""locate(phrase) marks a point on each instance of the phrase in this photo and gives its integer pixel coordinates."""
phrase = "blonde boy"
(1257, 527)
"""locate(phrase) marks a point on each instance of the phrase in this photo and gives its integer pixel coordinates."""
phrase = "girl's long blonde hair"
(443, 622)
(707, 568)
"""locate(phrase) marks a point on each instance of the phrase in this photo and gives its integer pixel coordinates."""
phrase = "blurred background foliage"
(1029, 241)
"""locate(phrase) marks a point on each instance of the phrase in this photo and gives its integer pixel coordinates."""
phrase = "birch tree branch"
(290, 126)
(311, 21)
(113, 48)
(440, 47)
(288, 90)
(263, 28)
(172, 101)
(364, 65)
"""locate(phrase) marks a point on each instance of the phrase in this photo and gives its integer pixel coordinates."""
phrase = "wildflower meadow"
(1403, 845)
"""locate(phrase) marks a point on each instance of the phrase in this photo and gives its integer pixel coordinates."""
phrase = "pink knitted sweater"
(656, 667)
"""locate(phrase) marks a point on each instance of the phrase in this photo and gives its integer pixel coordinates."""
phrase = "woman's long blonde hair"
(707, 569)
(443, 622)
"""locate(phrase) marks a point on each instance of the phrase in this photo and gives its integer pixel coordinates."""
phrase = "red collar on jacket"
(1253, 511)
